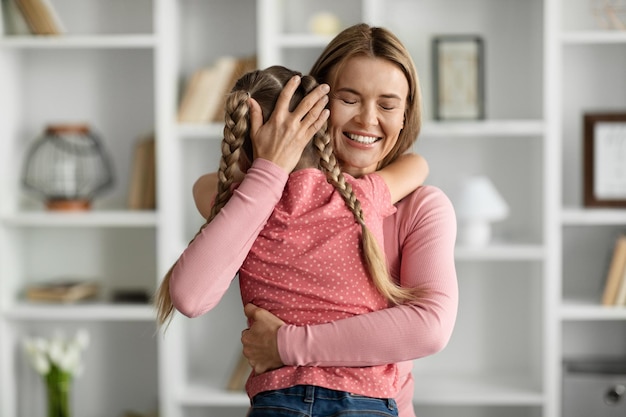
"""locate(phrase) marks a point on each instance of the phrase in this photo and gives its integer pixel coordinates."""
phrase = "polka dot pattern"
(306, 267)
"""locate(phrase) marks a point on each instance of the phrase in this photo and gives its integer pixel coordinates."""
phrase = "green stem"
(58, 387)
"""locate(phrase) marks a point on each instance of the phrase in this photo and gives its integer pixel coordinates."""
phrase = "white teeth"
(362, 139)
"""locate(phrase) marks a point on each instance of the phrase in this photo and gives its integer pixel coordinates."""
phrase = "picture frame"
(604, 161)
(458, 77)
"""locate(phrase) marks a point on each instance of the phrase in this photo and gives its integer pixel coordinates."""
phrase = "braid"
(373, 254)
(235, 132)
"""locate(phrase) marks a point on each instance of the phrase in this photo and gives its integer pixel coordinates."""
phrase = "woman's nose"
(368, 115)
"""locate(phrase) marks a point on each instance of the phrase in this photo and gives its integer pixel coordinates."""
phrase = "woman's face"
(367, 104)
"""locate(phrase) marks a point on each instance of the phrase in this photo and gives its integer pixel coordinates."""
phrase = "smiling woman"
(367, 68)
(318, 257)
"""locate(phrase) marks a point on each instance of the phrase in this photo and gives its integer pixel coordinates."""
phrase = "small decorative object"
(58, 361)
(610, 14)
(479, 204)
(68, 166)
(458, 77)
(324, 23)
(604, 159)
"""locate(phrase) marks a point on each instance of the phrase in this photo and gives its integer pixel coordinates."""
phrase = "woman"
(316, 259)
(360, 65)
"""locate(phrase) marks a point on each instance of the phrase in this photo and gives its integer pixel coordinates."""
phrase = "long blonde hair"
(265, 86)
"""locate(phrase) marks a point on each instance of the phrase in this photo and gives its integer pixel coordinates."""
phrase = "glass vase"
(58, 391)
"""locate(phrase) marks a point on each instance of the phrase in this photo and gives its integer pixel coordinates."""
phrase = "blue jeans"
(312, 401)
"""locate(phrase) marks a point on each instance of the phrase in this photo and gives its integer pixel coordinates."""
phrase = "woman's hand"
(285, 134)
(260, 341)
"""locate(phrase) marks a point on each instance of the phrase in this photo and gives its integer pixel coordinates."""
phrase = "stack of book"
(63, 291)
(207, 89)
(614, 293)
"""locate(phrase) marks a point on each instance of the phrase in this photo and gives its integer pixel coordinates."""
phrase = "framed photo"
(604, 159)
(458, 77)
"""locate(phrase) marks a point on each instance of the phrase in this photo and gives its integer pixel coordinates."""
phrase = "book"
(62, 291)
(240, 374)
(620, 297)
(142, 186)
(205, 94)
(194, 99)
(41, 17)
(242, 66)
(224, 68)
(615, 272)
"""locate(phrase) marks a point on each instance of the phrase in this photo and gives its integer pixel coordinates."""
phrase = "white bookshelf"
(122, 65)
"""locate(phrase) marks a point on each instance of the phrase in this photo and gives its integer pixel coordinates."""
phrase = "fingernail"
(325, 88)
(297, 78)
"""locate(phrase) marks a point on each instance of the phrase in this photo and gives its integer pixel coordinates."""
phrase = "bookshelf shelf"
(502, 252)
(113, 218)
(195, 395)
(484, 128)
(79, 41)
(512, 389)
(572, 216)
(25, 311)
(590, 37)
(590, 310)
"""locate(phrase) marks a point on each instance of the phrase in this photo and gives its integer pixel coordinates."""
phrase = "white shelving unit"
(528, 300)
(585, 76)
(101, 72)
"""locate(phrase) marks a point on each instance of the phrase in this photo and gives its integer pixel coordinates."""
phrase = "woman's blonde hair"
(375, 42)
(265, 86)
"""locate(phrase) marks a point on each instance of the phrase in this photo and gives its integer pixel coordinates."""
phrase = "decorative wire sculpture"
(610, 14)
(68, 166)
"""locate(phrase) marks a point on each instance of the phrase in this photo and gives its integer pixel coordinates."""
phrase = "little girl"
(313, 262)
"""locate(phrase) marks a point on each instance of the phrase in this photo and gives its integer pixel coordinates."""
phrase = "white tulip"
(58, 351)
(40, 363)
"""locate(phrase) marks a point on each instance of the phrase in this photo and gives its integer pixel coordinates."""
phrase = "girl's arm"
(204, 191)
(404, 175)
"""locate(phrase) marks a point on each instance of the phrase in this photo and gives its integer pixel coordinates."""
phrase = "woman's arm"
(419, 241)
(205, 269)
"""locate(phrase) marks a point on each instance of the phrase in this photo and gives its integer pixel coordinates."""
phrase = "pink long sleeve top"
(419, 244)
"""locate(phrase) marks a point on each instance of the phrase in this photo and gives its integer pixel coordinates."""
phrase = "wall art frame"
(604, 159)
(458, 77)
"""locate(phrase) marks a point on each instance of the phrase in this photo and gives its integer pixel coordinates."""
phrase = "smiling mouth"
(366, 140)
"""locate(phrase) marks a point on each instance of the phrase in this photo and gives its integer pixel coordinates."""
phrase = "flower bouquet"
(57, 360)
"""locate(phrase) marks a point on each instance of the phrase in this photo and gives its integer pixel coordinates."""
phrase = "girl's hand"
(284, 136)
(260, 341)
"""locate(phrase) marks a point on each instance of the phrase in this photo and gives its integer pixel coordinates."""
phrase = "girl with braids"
(363, 66)
(317, 258)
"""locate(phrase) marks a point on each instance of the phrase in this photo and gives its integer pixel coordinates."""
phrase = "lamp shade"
(478, 198)
(478, 204)
(68, 166)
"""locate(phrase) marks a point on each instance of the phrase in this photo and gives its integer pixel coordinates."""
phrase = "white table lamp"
(478, 205)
